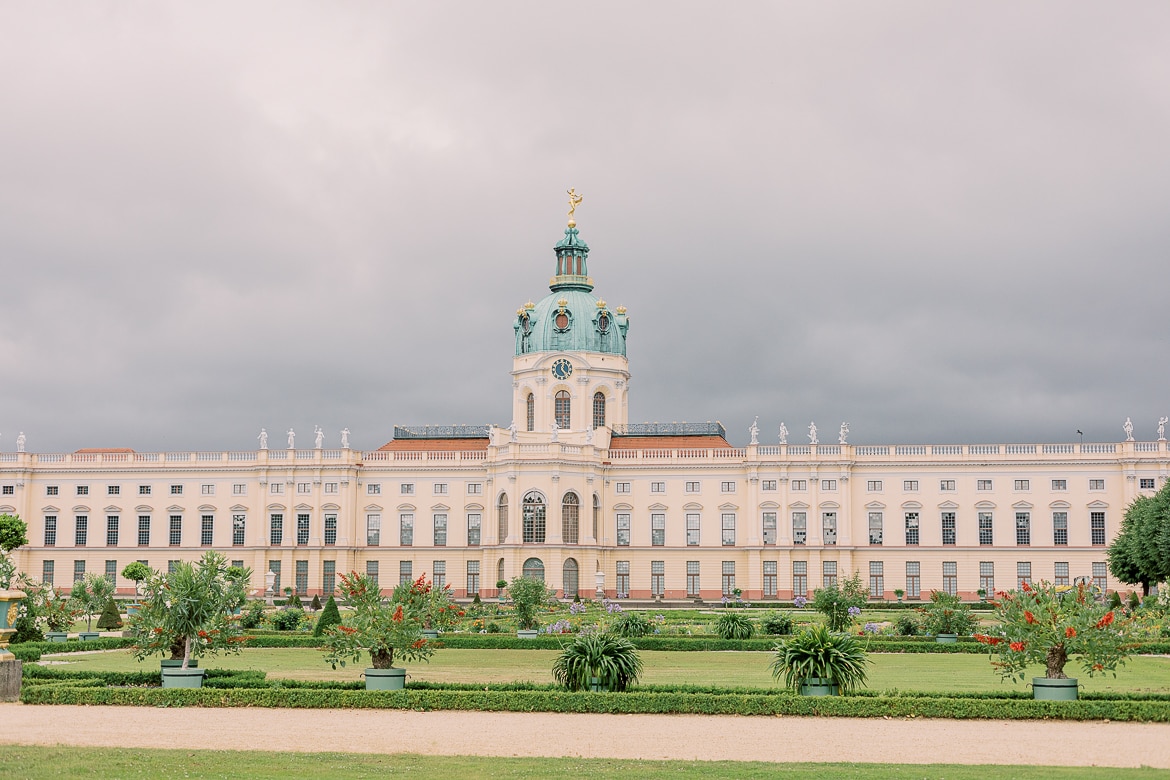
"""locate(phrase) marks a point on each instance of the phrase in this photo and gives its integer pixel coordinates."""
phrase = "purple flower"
(799, 602)
(872, 628)
(854, 611)
(576, 608)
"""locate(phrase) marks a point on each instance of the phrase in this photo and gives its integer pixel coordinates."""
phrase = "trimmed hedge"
(609, 703)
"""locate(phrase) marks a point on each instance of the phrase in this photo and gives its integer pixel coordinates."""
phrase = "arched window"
(533, 518)
(534, 569)
(599, 410)
(596, 518)
(561, 410)
(500, 576)
(502, 518)
(569, 578)
(570, 518)
(531, 411)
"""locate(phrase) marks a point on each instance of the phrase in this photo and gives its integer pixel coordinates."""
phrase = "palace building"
(573, 493)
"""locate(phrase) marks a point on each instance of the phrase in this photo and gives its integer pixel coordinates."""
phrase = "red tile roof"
(668, 442)
(433, 445)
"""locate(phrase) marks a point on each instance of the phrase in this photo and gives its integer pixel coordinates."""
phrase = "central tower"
(570, 374)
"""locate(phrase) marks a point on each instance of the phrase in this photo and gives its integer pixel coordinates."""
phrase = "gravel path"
(703, 737)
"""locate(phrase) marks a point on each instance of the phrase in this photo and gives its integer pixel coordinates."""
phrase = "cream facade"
(572, 492)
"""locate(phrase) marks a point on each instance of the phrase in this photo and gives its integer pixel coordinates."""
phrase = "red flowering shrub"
(382, 628)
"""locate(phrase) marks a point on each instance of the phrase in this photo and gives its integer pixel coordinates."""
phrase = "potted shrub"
(734, 625)
(90, 594)
(819, 662)
(899, 593)
(598, 661)
(59, 613)
(383, 629)
(528, 595)
(1047, 624)
(946, 617)
(841, 605)
(500, 585)
(13, 534)
(188, 612)
(439, 610)
(136, 572)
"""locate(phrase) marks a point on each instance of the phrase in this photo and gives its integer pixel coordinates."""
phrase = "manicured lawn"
(38, 762)
(904, 672)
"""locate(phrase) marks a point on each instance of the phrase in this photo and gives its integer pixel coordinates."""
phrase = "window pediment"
(7, 508)
(275, 507)
(239, 508)
(175, 508)
(82, 509)
(1098, 505)
(1059, 505)
(769, 505)
(401, 508)
(798, 505)
(830, 505)
(440, 508)
(622, 507)
(473, 507)
(911, 505)
(875, 505)
(51, 510)
(1022, 505)
(326, 507)
(374, 508)
(948, 505)
(693, 507)
(985, 505)
(658, 507)
(728, 508)
(207, 508)
(113, 510)
(144, 509)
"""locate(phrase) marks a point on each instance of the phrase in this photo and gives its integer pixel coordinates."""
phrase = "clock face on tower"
(562, 369)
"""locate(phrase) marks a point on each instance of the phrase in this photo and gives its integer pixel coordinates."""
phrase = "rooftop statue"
(1161, 433)
(320, 436)
(812, 433)
(843, 434)
(512, 431)
(291, 437)
(345, 438)
(1128, 428)
(755, 430)
(783, 433)
(574, 201)
(20, 438)
(263, 437)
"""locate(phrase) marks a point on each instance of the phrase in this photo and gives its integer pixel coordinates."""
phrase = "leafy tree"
(835, 603)
(136, 572)
(110, 619)
(90, 594)
(1140, 553)
(330, 616)
(13, 534)
(528, 595)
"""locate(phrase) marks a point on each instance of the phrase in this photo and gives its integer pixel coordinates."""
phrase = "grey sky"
(941, 222)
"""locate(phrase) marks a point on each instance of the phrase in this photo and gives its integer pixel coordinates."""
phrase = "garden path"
(701, 737)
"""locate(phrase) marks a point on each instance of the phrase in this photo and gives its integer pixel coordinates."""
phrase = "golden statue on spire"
(574, 201)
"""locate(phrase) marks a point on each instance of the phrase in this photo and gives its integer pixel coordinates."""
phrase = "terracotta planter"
(1050, 689)
(393, 679)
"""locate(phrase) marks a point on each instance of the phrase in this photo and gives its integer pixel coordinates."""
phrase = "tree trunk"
(382, 659)
(178, 646)
(1057, 658)
(186, 652)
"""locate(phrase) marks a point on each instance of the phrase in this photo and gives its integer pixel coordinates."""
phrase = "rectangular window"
(328, 577)
(474, 520)
(1096, 484)
(112, 572)
(406, 489)
(440, 530)
(657, 579)
(1060, 484)
(828, 484)
(1023, 573)
(174, 564)
(693, 579)
(206, 530)
(657, 487)
(78, 570)
(986, 536)
(726, 487)
(1060, 573)
(875, 528)
(207, 490)
(304, 489)
(877, 580)
(829, 527)
(1100, 576)
(983, 484)
(910, 486)
(112, 530)
(912, 527)
(50, 530)
(771, 580)
(657, 529)
(8, 490)
(274, 567)
(302, 529)
(473, 578)
(692, 529)
(769, 523)
(113, 490)
(946, 485)
(913, 580)
(51, 490)
(276, 488)
(144, 530)
(176, 530)
(1060, 528)
(302, 574)
(768, 485)
(1097, 527)
(1146, 483)
(238, 563)
(800, 579)
(1023, 528)
(80, 530)
(83, 490)
(1023, 484)
(405, 529)
(622, 487)
(874, 486)
(798, 485)
(440, 488)
(951, 577)
(144, 490)
(799, 527)
(176, 490)
(728, 579)
(240, 489)
(405, 572)
(331, 528)
(239, 526)
(828, 574)
(475, 488)
(987, 578)
(623, 529)
(622, 570)
(948, 527)
(692, 487)
(276, 529)
(728, 529)
(372, 571)
(373, 489)
(438, 574)
(331, 488)
(47, 572)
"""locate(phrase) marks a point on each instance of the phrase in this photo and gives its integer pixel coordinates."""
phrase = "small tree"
(528, 595)
(382, 629)
(90, 594)
(110, 619)
(330, 616)
(316, 603)
(136, 572)
(13, 534)
(841, 605)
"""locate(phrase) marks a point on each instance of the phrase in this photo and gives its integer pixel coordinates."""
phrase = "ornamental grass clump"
(631, 625)
(612, 661)
(1048, 624)
(817, 652)
(734, 625)
(383, 628)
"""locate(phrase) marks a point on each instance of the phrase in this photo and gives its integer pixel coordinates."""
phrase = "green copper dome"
(571, 318)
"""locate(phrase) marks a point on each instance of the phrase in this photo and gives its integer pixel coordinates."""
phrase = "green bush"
(612, 660)
(110, 620)
(907, 625)
(734, 625)
(252, 615)
(834, 603)
(777, 623)
(947, 614)
(315, 604)
(330, 616)
(287, 619)
(631, 625)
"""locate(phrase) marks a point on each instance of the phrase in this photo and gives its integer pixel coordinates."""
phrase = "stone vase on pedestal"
(10, 668)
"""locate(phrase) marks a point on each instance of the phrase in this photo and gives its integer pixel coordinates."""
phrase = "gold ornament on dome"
(601, 304)
(574, 201)
(530, 306)
(621, 310)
